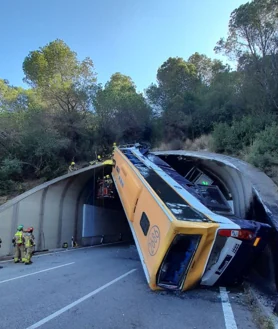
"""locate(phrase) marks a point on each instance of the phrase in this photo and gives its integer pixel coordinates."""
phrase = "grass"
(202, 143)
(260, 316)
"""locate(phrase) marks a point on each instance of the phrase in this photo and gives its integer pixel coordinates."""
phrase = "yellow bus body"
(139, 198)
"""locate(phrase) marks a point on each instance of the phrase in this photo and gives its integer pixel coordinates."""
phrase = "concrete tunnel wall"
(54, 209)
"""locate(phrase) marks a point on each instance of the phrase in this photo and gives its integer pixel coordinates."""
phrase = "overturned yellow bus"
(180, 241)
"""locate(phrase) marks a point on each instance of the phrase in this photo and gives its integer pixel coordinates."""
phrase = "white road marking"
(46, 270)
(67, 250)
(78, 301)
(230, 321)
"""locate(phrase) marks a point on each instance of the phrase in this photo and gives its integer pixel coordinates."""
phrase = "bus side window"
(145, 224)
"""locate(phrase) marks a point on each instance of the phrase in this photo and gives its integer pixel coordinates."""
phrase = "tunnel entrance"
(103, 217)
(203, 183)
(198, 171)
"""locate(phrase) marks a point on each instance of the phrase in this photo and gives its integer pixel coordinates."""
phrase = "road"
(105, 288)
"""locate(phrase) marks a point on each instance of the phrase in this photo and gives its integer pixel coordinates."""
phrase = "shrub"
(264, 151)
(201, 143)
(10, 168)
(221, 138)
(175, 144)
(232, 139)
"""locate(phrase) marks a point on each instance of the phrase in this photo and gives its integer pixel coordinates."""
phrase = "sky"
(133, 37)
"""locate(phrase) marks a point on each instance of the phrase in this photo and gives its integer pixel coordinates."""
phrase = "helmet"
(99, 157)
(20, 227)
(30, 229)
(107, 176)
(73, 163)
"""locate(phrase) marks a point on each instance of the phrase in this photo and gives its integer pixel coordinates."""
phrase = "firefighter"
(72, 167)
(18, 241)
(108, 179)
(95, 161)
(29, 245)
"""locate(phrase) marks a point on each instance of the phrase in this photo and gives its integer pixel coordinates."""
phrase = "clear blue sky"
(133, 37)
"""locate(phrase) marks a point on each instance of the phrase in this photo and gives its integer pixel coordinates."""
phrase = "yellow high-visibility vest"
(18, 237)
(28, 240)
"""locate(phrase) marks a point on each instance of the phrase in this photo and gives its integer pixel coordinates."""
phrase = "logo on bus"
(121, 181)
(153, 240)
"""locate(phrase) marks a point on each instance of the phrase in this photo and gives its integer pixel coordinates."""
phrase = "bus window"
(176, 263)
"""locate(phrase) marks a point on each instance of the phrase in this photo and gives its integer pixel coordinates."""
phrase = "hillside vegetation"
(66, 115)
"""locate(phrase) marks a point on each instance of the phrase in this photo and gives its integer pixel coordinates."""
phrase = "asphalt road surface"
(105, 288)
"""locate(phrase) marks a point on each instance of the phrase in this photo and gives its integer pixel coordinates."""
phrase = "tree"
(175, 77)
(174, 96)
(207, 69)
(67, 86)
(122, 113)
(252, 30)
(60, 77)
(42, 145)
(15, 99)
(253, 40)
(221, 101)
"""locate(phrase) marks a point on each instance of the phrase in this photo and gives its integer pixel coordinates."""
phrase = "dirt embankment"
(22, 187)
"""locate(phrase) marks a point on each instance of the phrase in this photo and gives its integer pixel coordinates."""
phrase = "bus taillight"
(239, 234)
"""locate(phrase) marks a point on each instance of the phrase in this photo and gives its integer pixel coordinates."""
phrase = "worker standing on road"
(18, 241)
(29, 245)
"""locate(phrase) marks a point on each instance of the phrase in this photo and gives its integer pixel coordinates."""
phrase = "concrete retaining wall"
(54, 209)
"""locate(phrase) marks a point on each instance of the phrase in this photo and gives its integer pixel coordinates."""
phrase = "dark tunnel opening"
(103, 218)
(194, 169)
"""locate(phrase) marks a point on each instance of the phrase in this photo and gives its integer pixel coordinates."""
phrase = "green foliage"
(122, 114)
(264, 150)
(62, 80)
(175, 97)
(10, 168)
(207, 69)
(233, 138)
(221, 137)
(174, 78)
(66, 116)
(219, 102)
(252, 30)
(252, 40)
